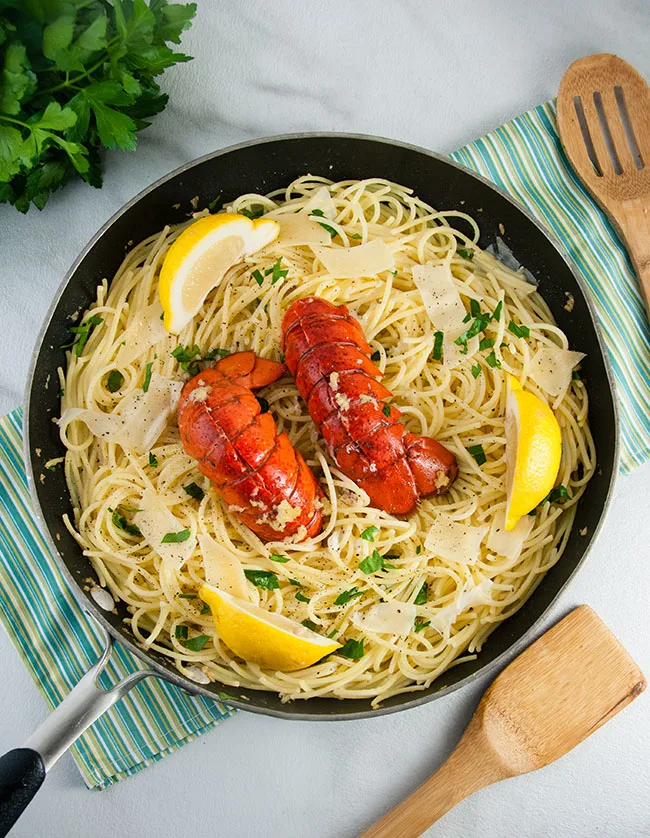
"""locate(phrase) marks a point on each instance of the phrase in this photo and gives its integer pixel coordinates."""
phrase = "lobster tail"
(327, 353)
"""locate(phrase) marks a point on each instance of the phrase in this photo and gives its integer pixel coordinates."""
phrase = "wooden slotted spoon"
(603, 115)
(566, 685)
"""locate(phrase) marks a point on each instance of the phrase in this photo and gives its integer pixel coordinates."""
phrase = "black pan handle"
(22, 772)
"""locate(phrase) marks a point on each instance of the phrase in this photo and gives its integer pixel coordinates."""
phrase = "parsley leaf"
(486, 343)
(474, 308)
(373, 563)
(180, 633)
(276, 272)
(369, 533)
(346, 596)
(252, 213)
(352, 649)
(147, 377)
(190, 359)
(375, 356)
(275, 557)
(82, 333)
(194, 491)
(195, 644)
(518, 331)
(386, 411)
(476, 370)
(121, 523)
(216, 203)
(423, 593)
(558, 493)
(114, 381)
(175, 537)
(492, 360)
(421, 623)
(464, 253)
(496, 314)
(264, 579)
(478, 453)
(437, 345)
(333, 233)
(153, 460)
(257, 276)
(301, 597)
(310, 624)
(479, 324)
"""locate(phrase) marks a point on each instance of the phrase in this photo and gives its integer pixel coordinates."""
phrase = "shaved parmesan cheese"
(155, 520)
(299, 229)
(387, 618)
(509, 544)
(470, 596)
(455, 541)
(362, 260)
(321, 200)
(440, 298)
(137, 421)
(222, 568)
(551, 368)
(144, 331)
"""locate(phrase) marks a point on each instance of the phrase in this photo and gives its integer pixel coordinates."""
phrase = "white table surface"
(432, 73)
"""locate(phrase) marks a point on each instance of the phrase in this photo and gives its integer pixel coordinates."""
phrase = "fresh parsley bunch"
(76, 76)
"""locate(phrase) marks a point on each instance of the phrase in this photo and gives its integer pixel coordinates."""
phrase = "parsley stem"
(16, 121)
(70, 82)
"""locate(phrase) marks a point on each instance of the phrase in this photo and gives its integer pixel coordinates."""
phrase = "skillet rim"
(176, 678)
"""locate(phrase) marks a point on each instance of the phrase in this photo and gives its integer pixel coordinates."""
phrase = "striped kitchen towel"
(56, 640)
(58, 643)
(525, 158)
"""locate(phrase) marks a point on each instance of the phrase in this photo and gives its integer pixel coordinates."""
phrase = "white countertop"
(432, 73)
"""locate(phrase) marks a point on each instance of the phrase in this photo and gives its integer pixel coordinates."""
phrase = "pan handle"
(22, 770)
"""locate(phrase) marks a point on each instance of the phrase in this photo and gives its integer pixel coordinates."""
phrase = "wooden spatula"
(566, 685)
(603, 114)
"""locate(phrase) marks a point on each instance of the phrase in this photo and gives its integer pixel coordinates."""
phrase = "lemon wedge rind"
(271, 640)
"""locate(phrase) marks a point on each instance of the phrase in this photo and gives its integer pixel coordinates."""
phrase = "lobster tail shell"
(257, 471)
(327, 353)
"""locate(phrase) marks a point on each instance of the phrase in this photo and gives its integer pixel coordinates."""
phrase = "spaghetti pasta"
(457, 398)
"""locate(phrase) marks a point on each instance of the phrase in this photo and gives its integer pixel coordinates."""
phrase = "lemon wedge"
(533, 451)
(198, 259)
(263, 637)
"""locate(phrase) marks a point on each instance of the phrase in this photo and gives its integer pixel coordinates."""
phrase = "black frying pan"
(262, 166)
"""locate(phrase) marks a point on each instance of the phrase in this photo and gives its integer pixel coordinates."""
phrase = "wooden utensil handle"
(471, 766)
(633, 219)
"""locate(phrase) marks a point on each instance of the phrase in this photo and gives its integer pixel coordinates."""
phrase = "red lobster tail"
(327, 353)
(257, 471)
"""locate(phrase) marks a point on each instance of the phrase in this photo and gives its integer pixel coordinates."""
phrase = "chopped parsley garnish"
(122, 524)
(438, 338)
(376, 355)
(212, 354)
(181, 633)
(479, 324)
(386, 411)
(265, 579)
(257, 276)
(114, 381)
(194, 491)
(175, 537)
(188, 357)
(147, 377)
(352, 649)
(478, 453)
(375, 562)
(467, 318)
(558, 493)
(153, 460)
(476, 370)
(518, 331)
(356, 236)
(309, 624)
(264, 405)
(61, 392)
(423, 593)
(301, 597)
(464, 253)
(257, 212)
(276, 271)
(418, 550)
(296, 583)
(421, 623)
(82, 333)
(216, 203)
(195, 644)
(474, 308)
(205, 609)
(575, 375)
(492, 360)
(346, 596)
(369, 533)
(275, 557)
(333, 233)
(186, 596)
(496, 315)
(486, 343)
